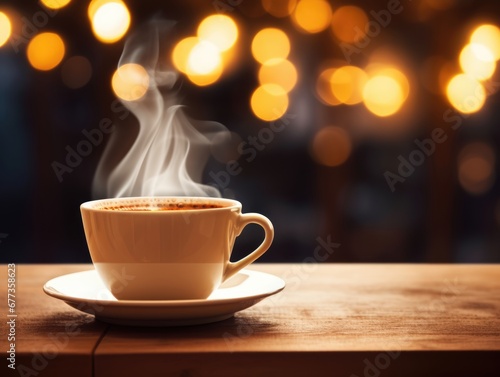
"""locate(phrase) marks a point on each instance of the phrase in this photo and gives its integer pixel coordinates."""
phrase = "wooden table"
(331, 320)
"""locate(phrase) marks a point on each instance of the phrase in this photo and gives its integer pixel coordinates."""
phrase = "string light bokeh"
(110, 19)
(5, 28)
(203, 58)
(45, 51)
(329, 96)
(55, 4)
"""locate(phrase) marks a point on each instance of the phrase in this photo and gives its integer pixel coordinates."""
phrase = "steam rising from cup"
(171, 150)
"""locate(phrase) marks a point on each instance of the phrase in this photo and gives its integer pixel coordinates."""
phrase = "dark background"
(429, 217)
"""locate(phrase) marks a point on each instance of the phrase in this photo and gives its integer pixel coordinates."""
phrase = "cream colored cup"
(144, 253)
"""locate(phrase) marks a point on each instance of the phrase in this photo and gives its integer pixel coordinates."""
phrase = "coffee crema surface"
(161, 207)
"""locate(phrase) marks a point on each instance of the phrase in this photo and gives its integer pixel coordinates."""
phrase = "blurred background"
(371, 124)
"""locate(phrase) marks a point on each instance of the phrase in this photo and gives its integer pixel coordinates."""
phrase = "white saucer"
(84, 291)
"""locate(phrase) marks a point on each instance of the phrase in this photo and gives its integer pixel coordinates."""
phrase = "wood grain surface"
(50, 336)
(331, 320)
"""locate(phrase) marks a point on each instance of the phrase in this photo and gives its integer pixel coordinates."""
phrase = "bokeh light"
(94, 5)
(489, 37)
(220, 30)
(45, 51)
(349, 23)
(270, 43)
(269, 102)
(278, 71)
(110, 20)
(55, 4)
(205, 79)
(465, 94)
(399, 77)
(331, 146)
(383, 95)
(476, 168)
(130, 82)
(324, 88)
(199, 60)
(5, 28)
(312, 16)
(181, 52)
(477, 61)
(347, 84)
(204, 58)
(76, 72)
(279, 8)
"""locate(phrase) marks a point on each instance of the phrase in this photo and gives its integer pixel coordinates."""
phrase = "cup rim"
(229, 204)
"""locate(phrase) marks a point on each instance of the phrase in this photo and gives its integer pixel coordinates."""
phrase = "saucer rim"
(52, 292)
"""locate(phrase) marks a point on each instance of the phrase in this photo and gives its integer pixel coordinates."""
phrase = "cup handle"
(243, 220)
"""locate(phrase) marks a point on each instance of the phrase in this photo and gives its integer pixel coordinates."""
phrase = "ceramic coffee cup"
(167, 248)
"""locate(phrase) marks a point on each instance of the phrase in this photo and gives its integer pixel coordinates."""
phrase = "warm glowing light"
(269, 102)
(203, 59)
(279, 8)
(55, 4)
(331, 146)
(205, 79)
(349, 23)
(383, 95)
(399, 77)
(476, 168)
(45, 51)
(219, 30)
(489, 37)
(477, 61)
(347, 84)
(110, 20)
(182, 51)
(324, 88)
(130, 82)
(5, 28)
(269, 44)
(312, 16)
(465, 94)
(94, 5)
(278, 71)
(76, 72)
